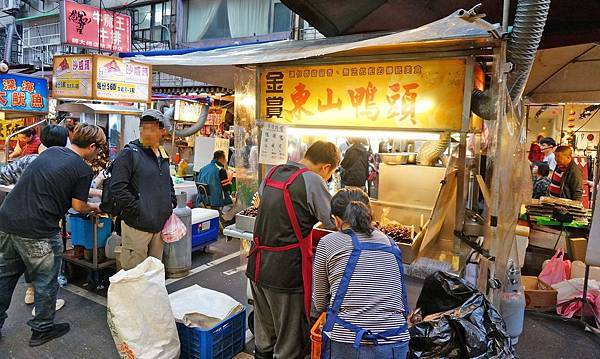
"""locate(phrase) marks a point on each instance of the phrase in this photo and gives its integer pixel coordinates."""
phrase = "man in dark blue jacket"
(143, 192)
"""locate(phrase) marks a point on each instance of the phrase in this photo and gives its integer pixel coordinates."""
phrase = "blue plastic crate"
(205, 233)
(223, 341)
(82, 231)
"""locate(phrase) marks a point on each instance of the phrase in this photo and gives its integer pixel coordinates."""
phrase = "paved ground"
(221, 270)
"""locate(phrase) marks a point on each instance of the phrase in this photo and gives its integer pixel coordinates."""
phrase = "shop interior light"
(372, 134)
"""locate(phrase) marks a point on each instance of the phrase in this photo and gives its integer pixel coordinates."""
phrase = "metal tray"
(244, 223)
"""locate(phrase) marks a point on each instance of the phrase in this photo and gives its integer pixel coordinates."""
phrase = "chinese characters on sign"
(72, 76)
(88, 26)
(412, 94)
(23, 94)
(273, 144)
(117, 80)
(7, 127)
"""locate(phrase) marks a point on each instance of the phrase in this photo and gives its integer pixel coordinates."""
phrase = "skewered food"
(250, 212)
(397, 232)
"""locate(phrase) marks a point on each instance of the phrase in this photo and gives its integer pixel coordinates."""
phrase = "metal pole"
(505, 11)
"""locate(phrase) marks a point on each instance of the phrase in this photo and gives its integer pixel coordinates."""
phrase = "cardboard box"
(538, 295)
(578, 248)
(546, 237)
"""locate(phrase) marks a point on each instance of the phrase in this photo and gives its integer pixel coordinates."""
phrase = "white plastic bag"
(196, 306)
(173, 230)
(139, 315)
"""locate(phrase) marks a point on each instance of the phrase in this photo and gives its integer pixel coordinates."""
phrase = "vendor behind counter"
(567, 179)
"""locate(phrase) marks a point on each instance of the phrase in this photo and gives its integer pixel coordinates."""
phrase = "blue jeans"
(42, 259)
(387, 351)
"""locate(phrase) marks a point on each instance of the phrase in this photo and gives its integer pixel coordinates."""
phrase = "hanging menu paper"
(273, 144)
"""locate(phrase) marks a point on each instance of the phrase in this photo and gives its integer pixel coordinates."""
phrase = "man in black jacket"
(567, 179)
(355, 165)
(143, 192)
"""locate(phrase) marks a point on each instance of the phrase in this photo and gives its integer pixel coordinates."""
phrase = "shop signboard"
(91, 27)
(7, 127)
(20, 93)
(187, 111)
(121, 81)
(419, 94)
(72, 76)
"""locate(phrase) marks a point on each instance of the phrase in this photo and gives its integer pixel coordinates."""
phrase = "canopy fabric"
(565, 74)
(220, 66)
(569, 22)
(98, 108)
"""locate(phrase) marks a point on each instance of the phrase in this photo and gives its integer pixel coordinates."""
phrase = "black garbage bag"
(442, 291)
(472, 329)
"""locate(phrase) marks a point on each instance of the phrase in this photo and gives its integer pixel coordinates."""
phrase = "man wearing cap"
(143, 192)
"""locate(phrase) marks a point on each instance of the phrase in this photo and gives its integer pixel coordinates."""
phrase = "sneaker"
(39, 338)
(29, 298)
(59, 304)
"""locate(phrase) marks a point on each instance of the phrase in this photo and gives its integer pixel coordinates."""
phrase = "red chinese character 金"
(329, 105)
(365, 96)
(402, 107)
(3, 101)
(18, 99)
(9, 84)
(37, 101)
(299, 98)
(27, 86)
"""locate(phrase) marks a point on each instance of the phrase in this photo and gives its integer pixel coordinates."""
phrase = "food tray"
(244, 223)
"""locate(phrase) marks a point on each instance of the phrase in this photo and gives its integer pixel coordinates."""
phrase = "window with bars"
(150, 23)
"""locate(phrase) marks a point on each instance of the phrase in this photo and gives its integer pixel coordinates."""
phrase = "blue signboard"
(20, 93)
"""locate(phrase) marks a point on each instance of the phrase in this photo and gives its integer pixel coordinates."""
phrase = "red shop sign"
(91, 27)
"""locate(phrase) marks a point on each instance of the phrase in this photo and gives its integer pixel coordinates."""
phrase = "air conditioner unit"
(10, 6)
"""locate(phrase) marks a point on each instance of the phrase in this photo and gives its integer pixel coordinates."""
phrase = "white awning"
(219, 66)
(565, 74)
(98, 108)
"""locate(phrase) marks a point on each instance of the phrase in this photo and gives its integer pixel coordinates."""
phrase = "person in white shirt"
(547, 145)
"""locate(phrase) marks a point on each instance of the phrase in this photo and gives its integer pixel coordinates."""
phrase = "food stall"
(100, 90)
(414, 88)
(23, 102)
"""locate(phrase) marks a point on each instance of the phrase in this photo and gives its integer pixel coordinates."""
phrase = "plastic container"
(82, 232)
(223, 341)
(205, 227)
(315, 337)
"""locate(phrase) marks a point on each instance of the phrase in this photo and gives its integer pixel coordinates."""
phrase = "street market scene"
(282, 179)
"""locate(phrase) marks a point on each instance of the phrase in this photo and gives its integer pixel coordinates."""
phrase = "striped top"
(555, 182)
(374, 297)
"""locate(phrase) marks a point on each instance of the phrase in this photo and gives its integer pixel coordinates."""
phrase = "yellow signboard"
(424, 94)
(72, 76)
(119, 80)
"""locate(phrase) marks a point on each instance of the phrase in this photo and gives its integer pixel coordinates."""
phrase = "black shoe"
(39, 338)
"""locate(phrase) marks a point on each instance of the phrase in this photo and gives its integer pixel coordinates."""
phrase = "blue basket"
(223, 341)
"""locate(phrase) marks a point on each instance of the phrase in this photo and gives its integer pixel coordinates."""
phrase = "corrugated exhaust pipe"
(9, 34)
(523, 43)
(168, 118)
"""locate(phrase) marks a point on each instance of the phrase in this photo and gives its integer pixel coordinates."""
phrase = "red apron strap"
(305, 243)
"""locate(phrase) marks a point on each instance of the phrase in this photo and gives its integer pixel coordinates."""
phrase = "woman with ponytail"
(358, 281)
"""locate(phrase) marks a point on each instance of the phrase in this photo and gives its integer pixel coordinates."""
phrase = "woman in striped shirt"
(357, 279)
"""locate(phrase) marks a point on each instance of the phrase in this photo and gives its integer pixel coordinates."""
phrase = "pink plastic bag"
(173, 230)
(557, 269)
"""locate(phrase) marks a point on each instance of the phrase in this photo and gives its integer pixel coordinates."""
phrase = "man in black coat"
(143, 192)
